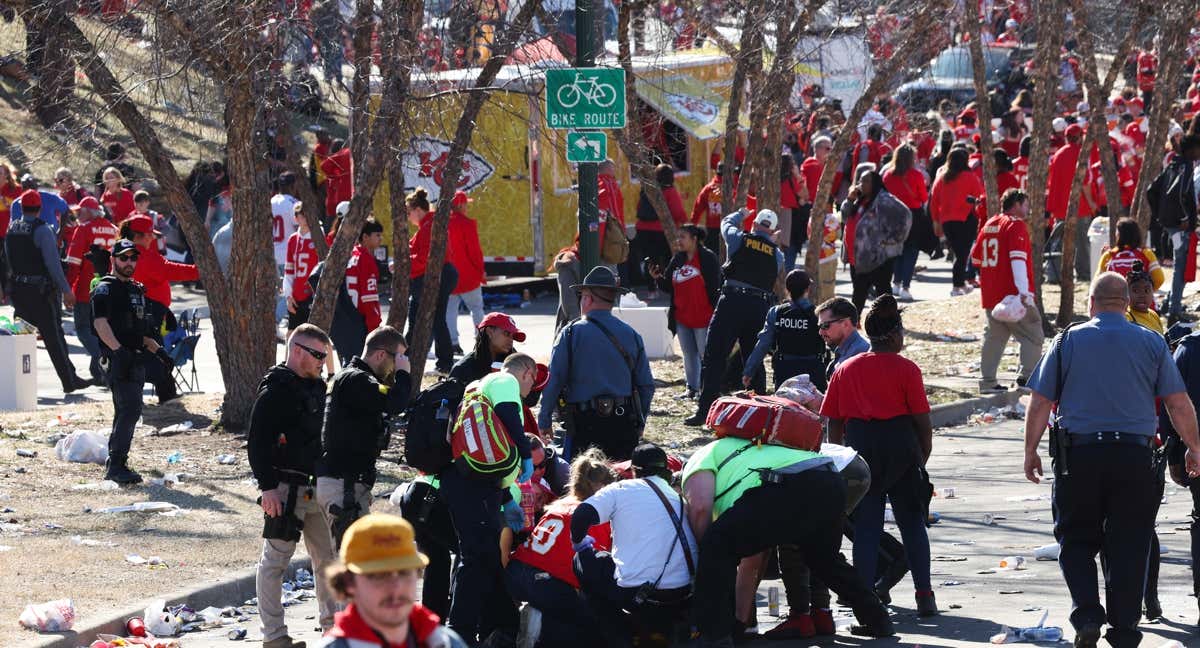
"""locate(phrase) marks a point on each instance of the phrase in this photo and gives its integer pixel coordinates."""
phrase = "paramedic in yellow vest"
(478, 511)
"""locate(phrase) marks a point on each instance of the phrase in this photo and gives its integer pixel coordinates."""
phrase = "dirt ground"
(48, 509)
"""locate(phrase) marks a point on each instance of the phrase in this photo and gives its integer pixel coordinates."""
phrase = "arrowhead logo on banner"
(424, 164)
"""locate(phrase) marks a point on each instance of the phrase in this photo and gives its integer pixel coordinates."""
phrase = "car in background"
(950, 76)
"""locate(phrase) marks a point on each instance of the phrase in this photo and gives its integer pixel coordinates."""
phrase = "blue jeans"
(87, 337)
(691, 343)
(1179, 249)
(906, 265)
(566, 616)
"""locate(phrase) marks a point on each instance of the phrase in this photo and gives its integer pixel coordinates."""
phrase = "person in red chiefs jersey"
(1147, 73)
(300, 260)
(706, 211)
(362, 274)
(541, 572)
(1128, 252)
(93, 231)
(693, 280)
(1002, 253)
(116, 197)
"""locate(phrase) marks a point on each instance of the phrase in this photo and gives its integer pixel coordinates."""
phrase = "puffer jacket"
(881, 230)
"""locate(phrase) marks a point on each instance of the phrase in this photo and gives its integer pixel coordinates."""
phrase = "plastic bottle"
(175, 457)
(1012, 562)
(1041, 633)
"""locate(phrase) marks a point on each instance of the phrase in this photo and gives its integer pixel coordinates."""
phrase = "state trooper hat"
(601, 277)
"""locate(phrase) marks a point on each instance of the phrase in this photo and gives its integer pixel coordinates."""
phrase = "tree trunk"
(312, 208)
(398, 311)
(1066, 273)
(922, 23)
(49, 60)
(983, 108)
(1097, 93)
(1175, 23)
(1045, 90)
(746, 52)
(423, 319)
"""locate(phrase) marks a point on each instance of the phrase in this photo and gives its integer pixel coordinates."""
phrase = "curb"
(220, 592)
(950, 414)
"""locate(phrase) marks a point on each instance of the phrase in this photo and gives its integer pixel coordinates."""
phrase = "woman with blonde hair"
(116, 197)
(541, 571)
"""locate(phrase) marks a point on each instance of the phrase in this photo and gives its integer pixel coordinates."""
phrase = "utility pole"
(589, 210)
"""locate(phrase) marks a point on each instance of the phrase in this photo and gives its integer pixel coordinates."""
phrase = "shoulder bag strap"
(675, 519)
(624, 354)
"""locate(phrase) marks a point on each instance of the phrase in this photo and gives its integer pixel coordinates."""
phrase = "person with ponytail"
(876, 404)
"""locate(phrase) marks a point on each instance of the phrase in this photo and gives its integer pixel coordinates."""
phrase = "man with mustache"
(377, 575)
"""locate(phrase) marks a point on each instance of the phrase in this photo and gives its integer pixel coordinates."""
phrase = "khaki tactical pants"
(1029, 335)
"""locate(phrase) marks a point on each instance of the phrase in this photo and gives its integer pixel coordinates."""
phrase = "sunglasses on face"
(128, 258)
(318, 355)
(825, 326)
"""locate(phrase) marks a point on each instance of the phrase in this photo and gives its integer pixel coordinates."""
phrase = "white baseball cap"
(767, 218)
(343, 208)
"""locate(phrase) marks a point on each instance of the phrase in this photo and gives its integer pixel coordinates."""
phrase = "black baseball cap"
(122, 246)
(649, 459)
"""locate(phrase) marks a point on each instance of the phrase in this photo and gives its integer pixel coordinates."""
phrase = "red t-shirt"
(1001, 241)
(339, 173)
(875, 386)
(549, 546)
(1127, 179)
(691, 295)
(301, 258)
(1147, 70)
(418, 247)
(811, 170)
(362, 282)
(1021, 169)
(120, 204)
(610, 199)
(1058, 188)
(156, 274)
(948, 198)
(97, 231)
(909, 188)
(9, 194)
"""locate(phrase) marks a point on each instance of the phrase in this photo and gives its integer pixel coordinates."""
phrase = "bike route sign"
(585, 98)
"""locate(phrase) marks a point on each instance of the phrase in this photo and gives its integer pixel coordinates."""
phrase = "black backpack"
(426, 438)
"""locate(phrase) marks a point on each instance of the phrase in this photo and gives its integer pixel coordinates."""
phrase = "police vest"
(126, 317)
(24, 257)
(754, 262)
(796, 331)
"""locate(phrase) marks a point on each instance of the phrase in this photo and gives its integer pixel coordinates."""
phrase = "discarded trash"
(21, 452)
(773, 601)
(1012, 562)
(1027, 498)
(62, 419)
(154, 562)
(136, 627)
(89, 542)
(227, 459)
(175, 457)
(237, 634)
(1047, 552)
(1038, 633)
(949, 558)
(949, 493)
(4, 548)
(1012, 591)
(106, 485)
(83, 446)
(989, 519)
(178, 428)
(986, 571)
(141, 507)
(951, 583)
(964, 543)
(55, 616)
(161, 621)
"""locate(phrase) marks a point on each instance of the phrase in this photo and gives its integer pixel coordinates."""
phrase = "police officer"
(284, 443)
(39, 285)
(741, 500)
(791, 333)
(1104, 375)
(365, 394)
(599, 374)
(754, 262)
(119, 312)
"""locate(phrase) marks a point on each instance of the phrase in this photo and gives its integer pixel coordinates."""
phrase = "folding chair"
(181, 354)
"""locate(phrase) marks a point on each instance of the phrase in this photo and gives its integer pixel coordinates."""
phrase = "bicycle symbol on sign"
(596, 93)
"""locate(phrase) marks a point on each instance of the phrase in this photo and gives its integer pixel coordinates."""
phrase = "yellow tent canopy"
(688, 102)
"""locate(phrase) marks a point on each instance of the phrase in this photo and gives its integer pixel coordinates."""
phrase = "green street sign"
(587, 147)
(585, 98)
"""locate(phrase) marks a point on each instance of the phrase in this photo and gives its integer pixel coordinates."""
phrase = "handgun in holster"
(344, 515)
(285, 526)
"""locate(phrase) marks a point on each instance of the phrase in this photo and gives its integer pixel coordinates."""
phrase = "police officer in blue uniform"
(599, 375)
(1104, 375)
(792, 337)
(39, 287)
(754, 262)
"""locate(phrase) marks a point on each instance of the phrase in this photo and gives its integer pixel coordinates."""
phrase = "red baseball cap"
(460, 198)
(504, 322)
(1074, 130)
(88, 202)
(31, 198)
(1137, 101)
(543, 377)
(142, 225)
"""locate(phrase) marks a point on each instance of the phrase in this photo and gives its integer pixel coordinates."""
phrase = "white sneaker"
(896, 289)
(904, 295)
(957, 291)
(531, 627)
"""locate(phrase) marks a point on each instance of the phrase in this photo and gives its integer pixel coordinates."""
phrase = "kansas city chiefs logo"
(425, 161)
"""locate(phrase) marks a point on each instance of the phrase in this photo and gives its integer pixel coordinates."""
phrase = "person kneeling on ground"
(541, 573)
(377, 576)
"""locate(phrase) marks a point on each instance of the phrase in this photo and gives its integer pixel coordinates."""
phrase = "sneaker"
(957, 291)
(531, 627)
(1087, 636)
(904, 295)
(77, 383)
(796, 626)
(895, 289)
(695, 420)
(926, 604)
(992, 388)
(823, 622)
(1153, 608)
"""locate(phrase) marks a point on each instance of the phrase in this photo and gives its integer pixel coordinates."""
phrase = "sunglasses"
(128, 258)
(319, 355)
(825, 326)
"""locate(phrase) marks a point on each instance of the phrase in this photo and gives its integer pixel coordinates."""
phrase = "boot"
(117, 471)
(926, 604)
(823, 621)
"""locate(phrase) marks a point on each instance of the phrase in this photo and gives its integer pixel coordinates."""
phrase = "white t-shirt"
(643, 534)
(283, 223)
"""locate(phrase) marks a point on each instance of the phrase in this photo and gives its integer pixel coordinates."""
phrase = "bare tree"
(746, 58)
(983, 109)
(920, 25)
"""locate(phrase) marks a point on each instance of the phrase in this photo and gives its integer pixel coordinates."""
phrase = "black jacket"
(1172, 196)
(356, 421)
(285, 426)
(710, 271)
